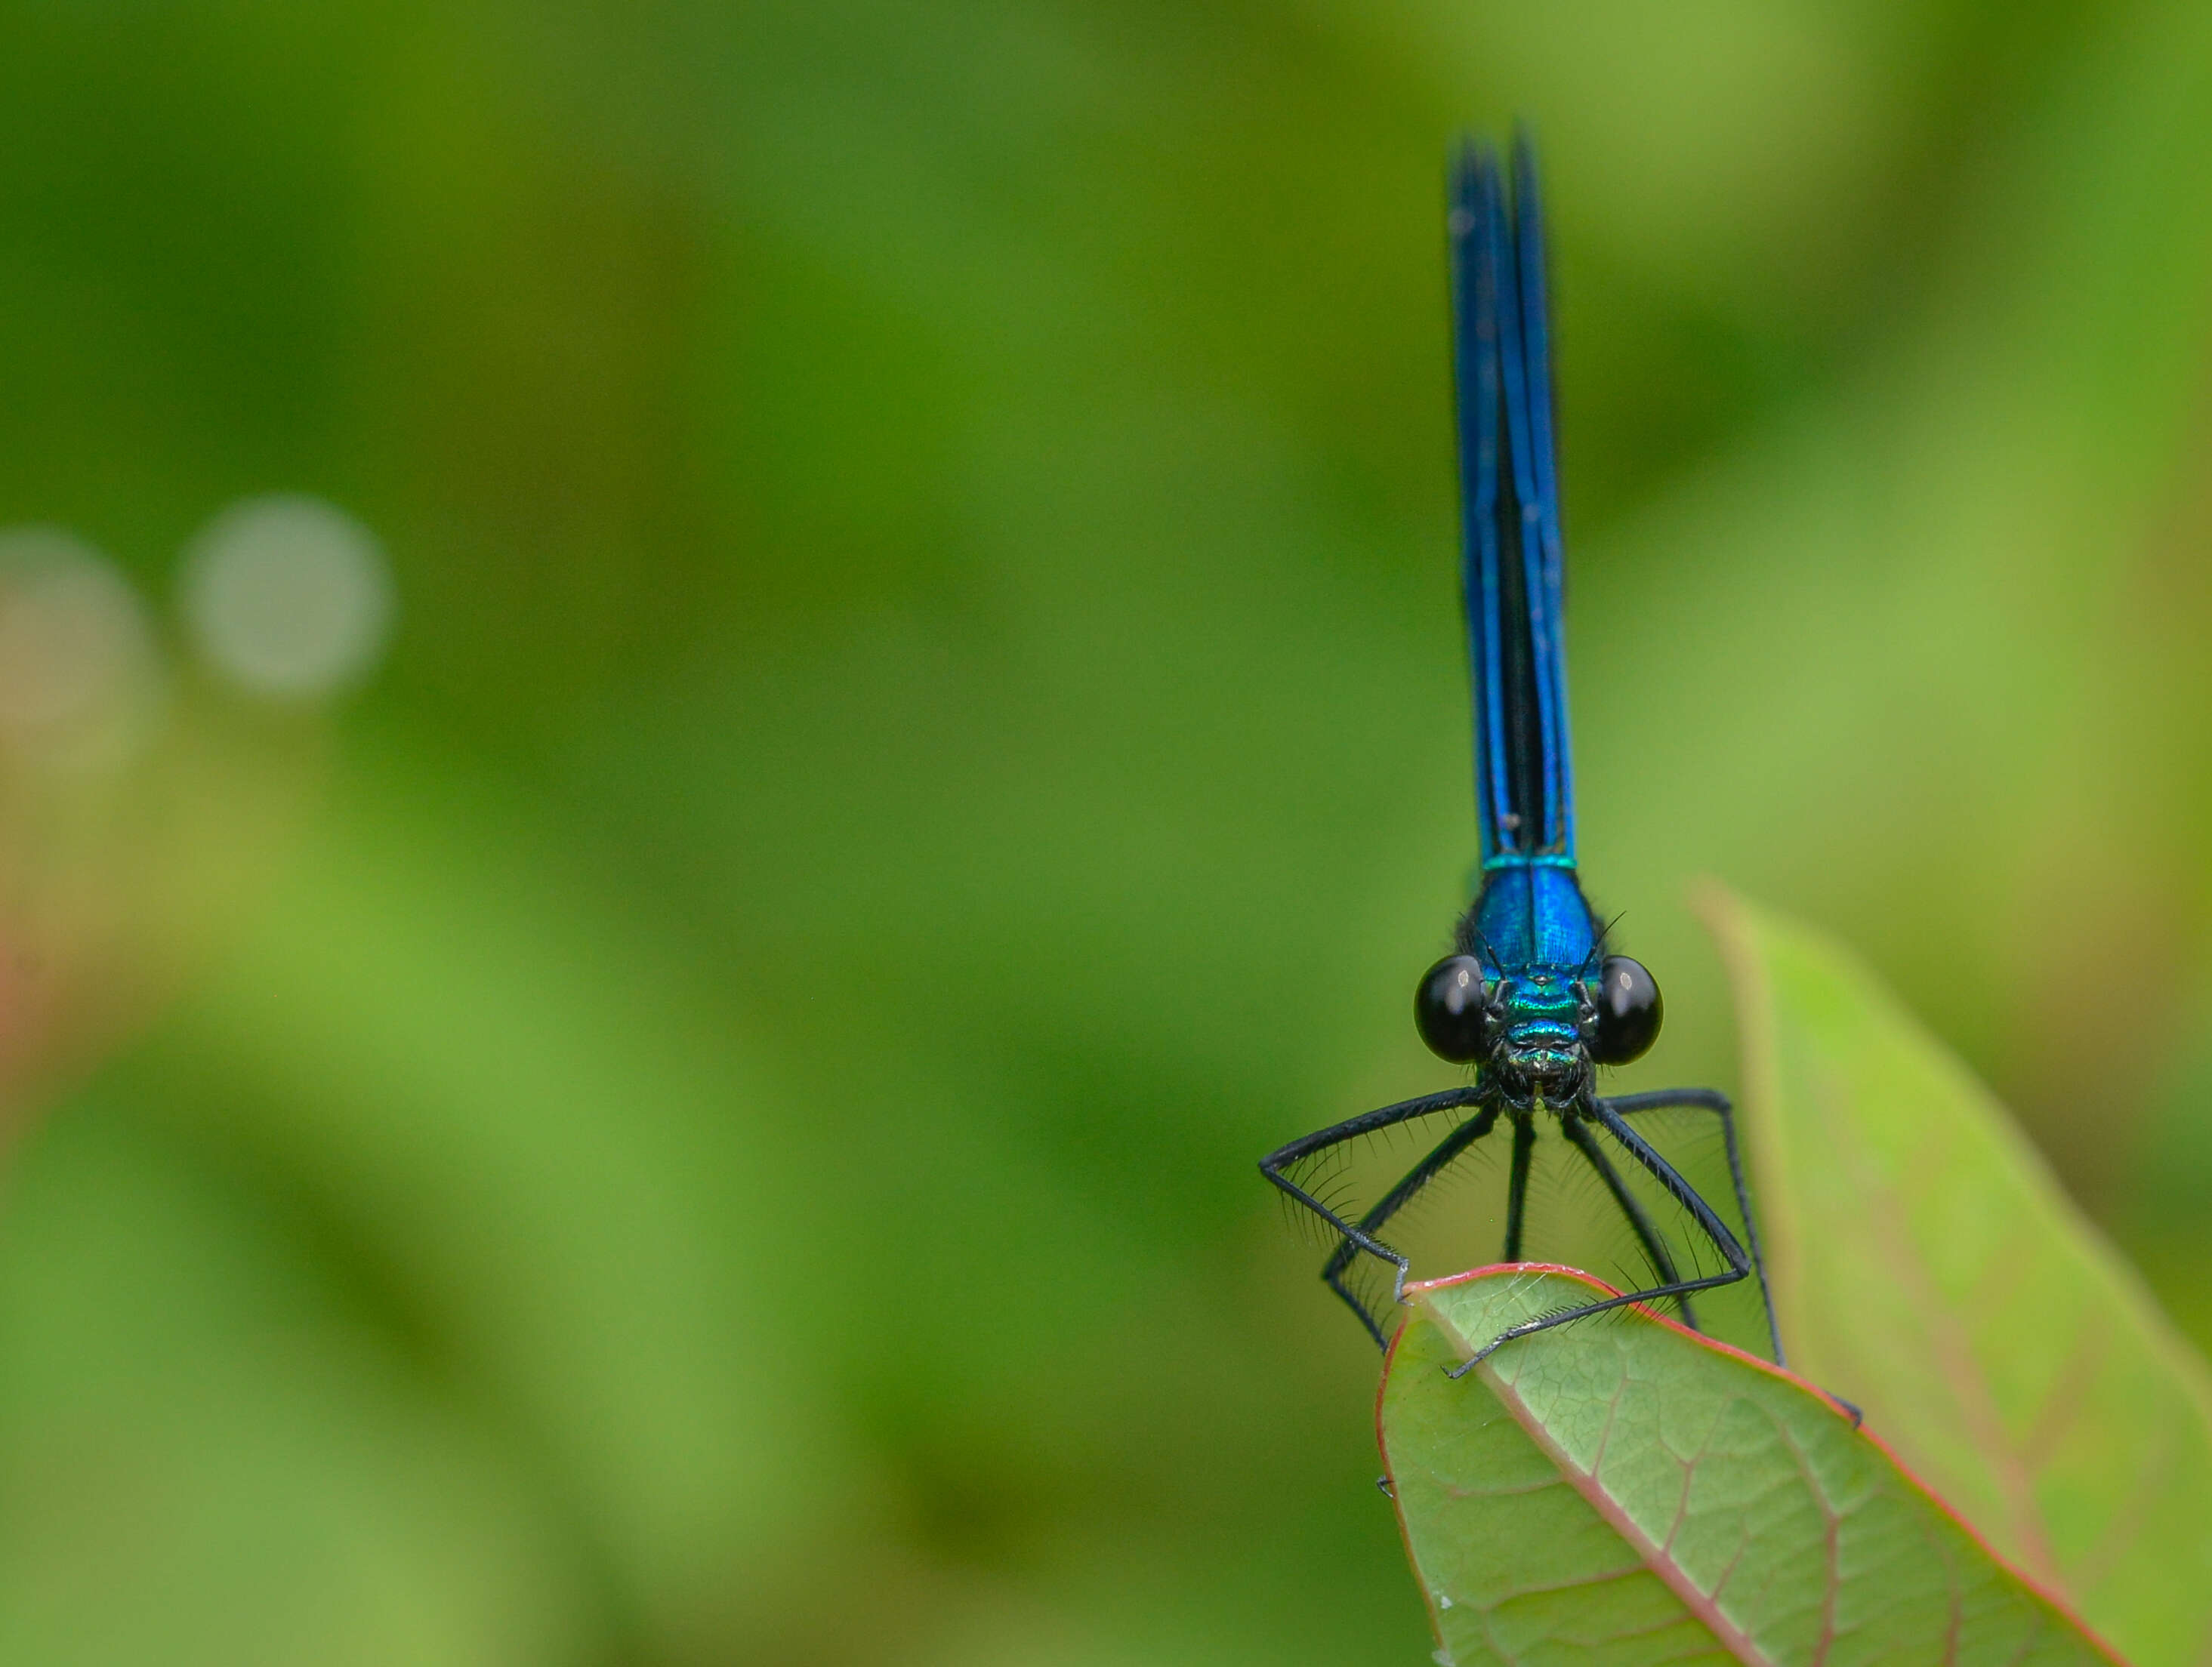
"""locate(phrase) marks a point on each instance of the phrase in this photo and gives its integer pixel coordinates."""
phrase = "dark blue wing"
(1511, 560)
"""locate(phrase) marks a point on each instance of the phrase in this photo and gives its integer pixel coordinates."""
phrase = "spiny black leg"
(1663, 1264)
(1516, 1188)
(1712, 1099)
(1392, 1201)
(1684, 1194)
(1351, 1128)
(1321, 1140)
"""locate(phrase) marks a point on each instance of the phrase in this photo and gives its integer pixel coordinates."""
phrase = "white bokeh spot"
(78, 670)
(287, 596)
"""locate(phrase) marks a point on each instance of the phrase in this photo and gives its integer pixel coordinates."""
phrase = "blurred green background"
(705, 1112)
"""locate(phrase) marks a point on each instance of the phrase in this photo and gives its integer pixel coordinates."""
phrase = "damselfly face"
(1545, 1017)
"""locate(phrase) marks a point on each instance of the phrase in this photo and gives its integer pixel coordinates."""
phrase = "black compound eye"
(1628, 1011)
(1448, 1009)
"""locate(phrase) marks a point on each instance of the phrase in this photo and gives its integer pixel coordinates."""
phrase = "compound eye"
(1628, 1011)
(1449, 1009)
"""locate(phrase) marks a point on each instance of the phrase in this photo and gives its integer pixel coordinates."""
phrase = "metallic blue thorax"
(1532, 916)
(1530, 928)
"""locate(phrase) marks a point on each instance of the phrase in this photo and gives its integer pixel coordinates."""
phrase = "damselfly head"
(1539, 1028)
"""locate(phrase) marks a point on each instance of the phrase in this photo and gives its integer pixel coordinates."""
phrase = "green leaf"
(1927, 1265)
(1622, 1492)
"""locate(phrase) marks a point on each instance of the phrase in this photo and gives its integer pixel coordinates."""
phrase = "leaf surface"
(1927, 1265)
(1622, 1492)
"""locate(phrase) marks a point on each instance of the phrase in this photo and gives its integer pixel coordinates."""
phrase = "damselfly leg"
(1579, 1136)
(1517, 1184)
(1349, 1249)
(1358, 1237)
(1714, 1229)
(1713, 1100)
